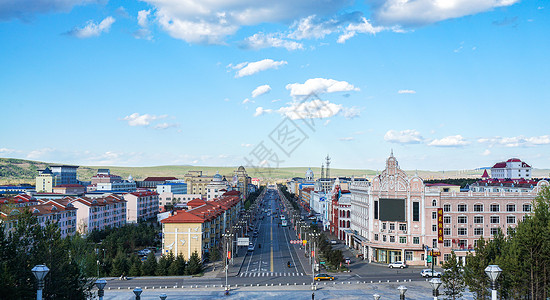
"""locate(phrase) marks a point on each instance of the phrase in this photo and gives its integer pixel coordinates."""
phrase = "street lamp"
(493, 271)
(435, 283)
(40, 271)
(100, 283)
(137, 292)
(402, 290)
(163, 296)
(376, 297)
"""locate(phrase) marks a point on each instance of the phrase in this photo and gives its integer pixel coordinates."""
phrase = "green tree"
(135, 266)
(195, 265)
(177, 267)
(214, 254)
(149, 266)
(452, 279)
(121, 265)
(164, 263)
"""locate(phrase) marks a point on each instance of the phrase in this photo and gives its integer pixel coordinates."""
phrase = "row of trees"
(523, 255)
(333, 257)
(167, 265)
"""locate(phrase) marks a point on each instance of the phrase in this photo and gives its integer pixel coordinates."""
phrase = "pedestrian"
(313, 296)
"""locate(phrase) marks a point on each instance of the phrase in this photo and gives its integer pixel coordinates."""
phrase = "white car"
(428, 273)
(397, 264)
(251, 247)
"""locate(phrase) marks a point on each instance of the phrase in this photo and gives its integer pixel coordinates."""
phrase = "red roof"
(144, 193)
(231, 193)
(500, 165)
(485, 175)
(183, 217)
(514, 160)
(205, 212)
(195, 203)
(159, 178)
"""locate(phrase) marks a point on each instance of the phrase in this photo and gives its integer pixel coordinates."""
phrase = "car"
(312, 218)
(251, 247)
(347, 260)
(334, 242)
(323, 276)
(428, 273)
(144, 252)
(397, 264)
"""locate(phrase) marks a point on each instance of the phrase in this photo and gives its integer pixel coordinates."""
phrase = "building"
(69, 189)
(502, 185)
(104, 176)
(217, 187)
(99, 213)
(141, 206)
(397, 216)
(200, 228)
(241, 181)
(513, 168)
(256, 182)
(152, 182)
(176, 200)
(172, 187)
(197, 182)
(45, 181)
(124, 186)
(65, 174)
(16, 189)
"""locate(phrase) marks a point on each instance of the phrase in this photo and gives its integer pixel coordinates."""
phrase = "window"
(434, 202)
(462, 207)
(462, 243)
(376, 237)
(383, 226)
(511, 219)
(510, 230)
(403, 227)
(392, 239)
(376, 210)
(447, 208)
(416, 240)
(446, 257)
(446, 231)
(392, 226)
(526, 207)
(447, 243)
(494, 231)
(478, 207)
(447, 219)
(434, 243)
(462, 220)
(478, 220)
(478, 231)
(495, 219)
(434, 215)
(402, 239)
(416, 211)
(462, 231)
(434, 228)
(384, 238)
(511, 207)
(495, 207)
(408, 255)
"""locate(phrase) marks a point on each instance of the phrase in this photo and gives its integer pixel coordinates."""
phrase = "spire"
(391, 154)
(485, 175)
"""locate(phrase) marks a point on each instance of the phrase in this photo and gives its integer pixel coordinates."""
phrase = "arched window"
(348, 214)
(434, 202)
(348, 224)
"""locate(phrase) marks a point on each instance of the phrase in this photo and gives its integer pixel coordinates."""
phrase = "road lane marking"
(271, 259)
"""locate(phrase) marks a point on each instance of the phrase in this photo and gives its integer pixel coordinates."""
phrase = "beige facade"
(183, 238)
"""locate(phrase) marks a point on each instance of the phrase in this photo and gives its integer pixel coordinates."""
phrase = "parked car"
(323, 276)
(144, 252)
(428, 273)
(397, 264)
(334, 242)
(251, 247)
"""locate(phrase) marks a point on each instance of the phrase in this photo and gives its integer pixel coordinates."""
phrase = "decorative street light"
(402, 290)
(40, 271)
(493, 271)
(435, 283)
(163, 296)
(100, 283)
(376, 297)
(137, 292)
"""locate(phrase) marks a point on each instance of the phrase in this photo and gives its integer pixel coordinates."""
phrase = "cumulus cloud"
(423, 12)
(166, 125)
(406, 92)
(315, 109)
(364, 27)
(408, 136)
(449, 141)
(270, 40)
(6, 151)
(199, 21)
(92, 29)
(26, 9)
(136, 119)
(319, 86)
(487, 152)
(260, 111)
(245, 101)
(251, 68)
(312, 28)
(262, 89)
(350, 112)
(39, 153)
(516, 141)
(143, 22)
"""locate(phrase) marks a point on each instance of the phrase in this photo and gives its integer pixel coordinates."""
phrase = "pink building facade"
(99, 213)
(141, 205)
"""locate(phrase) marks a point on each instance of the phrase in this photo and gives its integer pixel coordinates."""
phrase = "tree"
(195, 265)
(120, 265)
(135, 266)
(149, 267)
(177, 267)
(453, 280)
(163, 264)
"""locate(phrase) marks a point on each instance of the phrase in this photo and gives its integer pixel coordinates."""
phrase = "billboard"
(440, 225)
(244, 241)
(392, 210)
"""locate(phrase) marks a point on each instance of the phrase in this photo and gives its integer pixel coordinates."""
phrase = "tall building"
(197, 182)
(66, 174)
(45, 181)
(513, 168)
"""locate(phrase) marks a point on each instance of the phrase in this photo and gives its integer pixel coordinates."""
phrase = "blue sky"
(456, 84)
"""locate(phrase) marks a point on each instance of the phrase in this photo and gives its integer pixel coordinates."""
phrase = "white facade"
(172, 187)
(116, 186)
(513, 168)
(360, 221)
(216, 188)
(175, 199)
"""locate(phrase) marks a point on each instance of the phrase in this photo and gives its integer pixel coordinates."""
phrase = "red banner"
(440, 225)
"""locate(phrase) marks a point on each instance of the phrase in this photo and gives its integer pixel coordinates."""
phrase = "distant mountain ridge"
(15, 171)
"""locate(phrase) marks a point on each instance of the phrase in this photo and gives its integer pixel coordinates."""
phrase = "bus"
(283, 223)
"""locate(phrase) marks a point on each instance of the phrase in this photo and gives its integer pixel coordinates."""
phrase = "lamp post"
(227, 237)
(40, 271)
(376, 297)
(402, 290)
(313, 236)
(100, 283)
(435, 283)
(163, 296)
(137, 292)
(493, 271)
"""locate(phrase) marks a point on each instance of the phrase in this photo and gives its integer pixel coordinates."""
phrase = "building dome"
(217, 177)
(309, 174)
(241, 169)
(130, 178)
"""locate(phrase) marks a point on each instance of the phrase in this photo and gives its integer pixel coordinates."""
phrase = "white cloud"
(422, 12)
(251, 68)
(262, 89)
(347, 139)
(166, 125)
(199, 21)
(39, 153)
(143, 22)
(315, 109)
(326, 122)
(6, 151)
(142, 17)
(406, 92)
(449, 141)
(364, 27)
(92, 29)
(25, 9)
(270, 40)
(350, 112)
(136, 119)
(516, 141)
(311, 28)
(276, 100)
(260, 111)
(408, 136)
(246, 145)
(487, 152)
(245, 101)
(319, 86)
